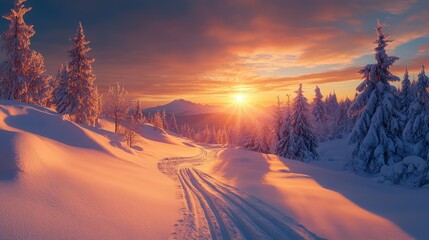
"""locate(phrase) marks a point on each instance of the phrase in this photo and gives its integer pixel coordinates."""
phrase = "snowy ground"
(217, 211)
(59, 180)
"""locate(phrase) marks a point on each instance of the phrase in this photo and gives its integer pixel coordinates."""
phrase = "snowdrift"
(333, 204)
(60, 180)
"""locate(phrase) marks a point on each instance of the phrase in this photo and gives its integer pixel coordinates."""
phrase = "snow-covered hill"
(183, 107)
(59, 180)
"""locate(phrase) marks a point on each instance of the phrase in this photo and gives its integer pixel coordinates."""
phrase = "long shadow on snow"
(50, 125)
(365, 193)
(9, 167)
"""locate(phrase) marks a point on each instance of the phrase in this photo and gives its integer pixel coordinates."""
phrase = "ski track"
(214, 210)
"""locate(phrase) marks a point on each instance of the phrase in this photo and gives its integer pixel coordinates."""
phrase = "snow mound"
(61, 180)
(411, 171)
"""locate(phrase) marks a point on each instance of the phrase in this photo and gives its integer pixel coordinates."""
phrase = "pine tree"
(164, 120)
(305, 141)
(157, 121)
(286, 146)
(23, 75)
(344, 123)
(416, 131)
(174, 126)
(16, 45)
(115, 104)
(61, 96)
(319, 115)
(278, 120)
(39, 88)
(318, 107)
(406, 93)
(83, 105)
(262, 142)
(247, 136)
(377, 129)
(138, 115)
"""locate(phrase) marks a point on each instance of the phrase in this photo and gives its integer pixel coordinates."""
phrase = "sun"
(239, 98)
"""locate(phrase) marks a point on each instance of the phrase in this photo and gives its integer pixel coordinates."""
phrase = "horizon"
(210, 52)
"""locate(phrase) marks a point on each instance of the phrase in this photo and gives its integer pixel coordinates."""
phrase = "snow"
(333, 204)
(59, 180)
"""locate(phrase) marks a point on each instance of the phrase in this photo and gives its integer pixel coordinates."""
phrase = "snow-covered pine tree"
(286, 146)
(332, 104)
(81, 89)
(61, 95)
(416, 131)
(174, 126)
(164, 120)
(319, 115)
(157, 121)
(115, 104)
(262, 142)
(39, 88)
(138, 115)
(305, 140)
(247, 136)
(318, 107)
(377, 129)
(278, 120)
(344, 123)
(406, 94)
(23, 74)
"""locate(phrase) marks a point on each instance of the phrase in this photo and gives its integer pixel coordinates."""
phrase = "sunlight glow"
(239, 98)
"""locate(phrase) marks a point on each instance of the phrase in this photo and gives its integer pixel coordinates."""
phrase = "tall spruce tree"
(82, 94)
(377, 130)
(285, 147)
(406, 93)
(23, 75)
(305, 140)
(318, 107)
(416, 131)
(138, 115)
(61, 94)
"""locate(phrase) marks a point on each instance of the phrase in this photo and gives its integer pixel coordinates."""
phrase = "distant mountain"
(183, 107)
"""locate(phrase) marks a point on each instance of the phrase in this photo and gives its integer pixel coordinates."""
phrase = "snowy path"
(218, 211)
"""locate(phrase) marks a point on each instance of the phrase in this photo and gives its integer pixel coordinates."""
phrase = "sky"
(208, 51)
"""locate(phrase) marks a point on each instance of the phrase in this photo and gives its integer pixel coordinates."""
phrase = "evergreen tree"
(247, 136)
(23, 75)
(262, 142)
(406, 93)
(416, 131)
(138, 115)
(318, 107)
(157, 121)
(39, 88)
(377, 129)
(344, 123)
(286, 146)
(16, 46)
(115, 104)
(174, 126)
(278, 120)
(305, 141)
(164, 120)
(61, 94)
(319, 115)
(83, 97)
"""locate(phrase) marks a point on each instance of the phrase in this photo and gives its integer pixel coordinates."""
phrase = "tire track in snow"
(218, 211)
